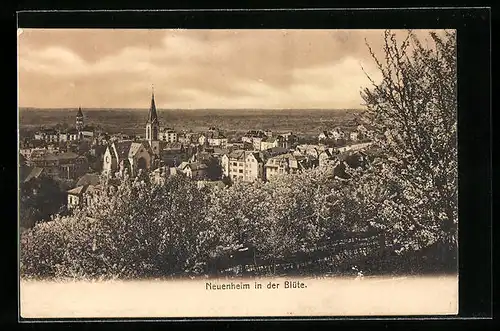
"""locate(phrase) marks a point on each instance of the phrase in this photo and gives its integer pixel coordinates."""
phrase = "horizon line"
(189, 109)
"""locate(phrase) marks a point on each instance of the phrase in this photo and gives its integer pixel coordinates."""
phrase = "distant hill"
(193, 110)
(132, 121)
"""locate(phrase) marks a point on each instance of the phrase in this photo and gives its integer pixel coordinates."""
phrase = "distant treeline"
(132, 121)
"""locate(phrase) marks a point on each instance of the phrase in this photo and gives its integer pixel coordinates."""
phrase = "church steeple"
(152, 117)
(79, 119)
(152, 125)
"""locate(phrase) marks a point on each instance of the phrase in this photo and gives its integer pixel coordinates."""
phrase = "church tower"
(152, 125)
(79, 119)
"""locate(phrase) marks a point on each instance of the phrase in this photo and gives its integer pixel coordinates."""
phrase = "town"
(79, 156)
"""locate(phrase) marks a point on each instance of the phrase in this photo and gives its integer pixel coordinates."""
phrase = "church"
(130, 156)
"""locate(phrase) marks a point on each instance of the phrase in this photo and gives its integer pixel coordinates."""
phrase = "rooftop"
(34, 173)
(123, 148)
(88, 179)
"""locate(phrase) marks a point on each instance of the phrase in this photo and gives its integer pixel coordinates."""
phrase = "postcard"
(180, 173)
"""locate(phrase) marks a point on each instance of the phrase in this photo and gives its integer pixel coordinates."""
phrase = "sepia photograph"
(180, 173)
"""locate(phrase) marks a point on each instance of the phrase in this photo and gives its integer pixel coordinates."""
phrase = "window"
(241, 177)
(235, 164)
(240, 171)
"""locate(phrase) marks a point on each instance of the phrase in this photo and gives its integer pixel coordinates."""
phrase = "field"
(131, 121)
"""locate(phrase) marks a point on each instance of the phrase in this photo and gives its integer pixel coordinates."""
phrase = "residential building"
(202, 139)
(241, 165)
(324, 135)
(159, 175)
(89, 179)
(203, 157)
(268, 142)
(193, 170)
(70, 135)
(168, 135)
(280, 165)
(172, 154)
(87, 132)
(210, 183)
(312, 150)
(327, 157)
(286, 140)
(66, 165)
(254, 137)
(184, 138)
(215, 138)
(76, 197)
(85, 195)
(47, 135)
(335, 134)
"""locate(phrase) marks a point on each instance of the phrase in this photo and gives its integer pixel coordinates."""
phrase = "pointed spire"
(152, 117)
(79, 113)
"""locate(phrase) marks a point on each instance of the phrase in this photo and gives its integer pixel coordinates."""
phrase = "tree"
(413, 120)
(39, 199)
(214, 169)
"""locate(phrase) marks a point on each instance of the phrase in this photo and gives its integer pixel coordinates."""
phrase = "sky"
(193, 69)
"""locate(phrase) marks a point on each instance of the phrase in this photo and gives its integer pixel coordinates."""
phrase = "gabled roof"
(88, 179)
(172, 145)
(134, 148)
(48, 131)
(88, 128)
(66, 156)
(122, 148)
(256, 134)
(326, 133)
(277, 150)
(328, 153)
(203, 156)
(269, 139)
(237, 154)
(283, 157)
(258, 156)
(215, 135)
(183, 165)
(34, 173)
(218, 150)
(168, 130)
(78, 190)
(196, 166)
(49, 157)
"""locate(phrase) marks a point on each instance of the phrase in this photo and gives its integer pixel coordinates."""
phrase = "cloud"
(195, 68)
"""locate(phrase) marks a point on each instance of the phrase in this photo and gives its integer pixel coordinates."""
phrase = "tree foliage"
(40, 198)
(412, 113)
